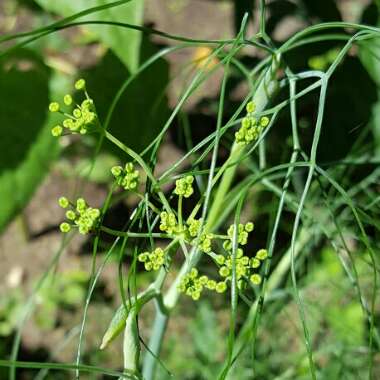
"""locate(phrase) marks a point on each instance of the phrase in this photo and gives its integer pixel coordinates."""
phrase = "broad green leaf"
(26, 144)
(142, 110)
(124, 42)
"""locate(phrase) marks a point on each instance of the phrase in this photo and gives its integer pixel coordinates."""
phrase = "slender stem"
(180, 222)
(158, 330)
(134, 234)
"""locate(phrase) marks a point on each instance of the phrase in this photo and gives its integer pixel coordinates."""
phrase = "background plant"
(312, 197)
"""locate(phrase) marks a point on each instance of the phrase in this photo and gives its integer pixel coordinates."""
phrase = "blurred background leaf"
(142, 109)
(26, 145)
(124, 42)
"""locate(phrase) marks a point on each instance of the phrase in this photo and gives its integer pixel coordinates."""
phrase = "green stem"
(180, 212)
(264, 93)
(158, 330)
(134, 234)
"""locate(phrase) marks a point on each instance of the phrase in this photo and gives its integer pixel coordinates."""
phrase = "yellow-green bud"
(262, 254)
(65, 227)
(224, 271)
(57, 131)
(211, 284)
(221, 287)
(220, 259)
(264, 121)
(80, 84)
(77, 113)
(67, 99)
(116, 171)
(251, 107)
(54, 107)
(249, 227)
(255, 279)
(63, 202)
(255, 263)
(70, 214)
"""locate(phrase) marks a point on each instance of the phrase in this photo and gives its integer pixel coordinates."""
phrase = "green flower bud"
(194, 273)
(220, 259)
(203, 280)
(246, 122)
(224, 271)
(262, 254)
(211, 284)
(249, 227)
(63, 202)
(255, 263)
(148, 266)
(251, 107)
(81, 205)
(67, 99)
(77, 113)
(80, 84)
(221, 287)
(54, 107)
(264, 121)
(65, 227)
(168, 222)
(142, 257)
(57, 131)
(195, 296)
(70, 214)
(255, 279)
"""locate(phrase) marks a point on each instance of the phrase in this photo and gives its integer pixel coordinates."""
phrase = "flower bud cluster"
(79, 215)
(184, 186)
(169, 223)
(83, 117)
(193, 230)
(245, 267)
(251, 128)
(128, 178)
(242, 235)
(152, 260)
(192, 284)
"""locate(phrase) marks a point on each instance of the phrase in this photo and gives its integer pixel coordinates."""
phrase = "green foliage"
(10, 308)
(343, 314)
(64, 291)
(26, 145)
(306, 200)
